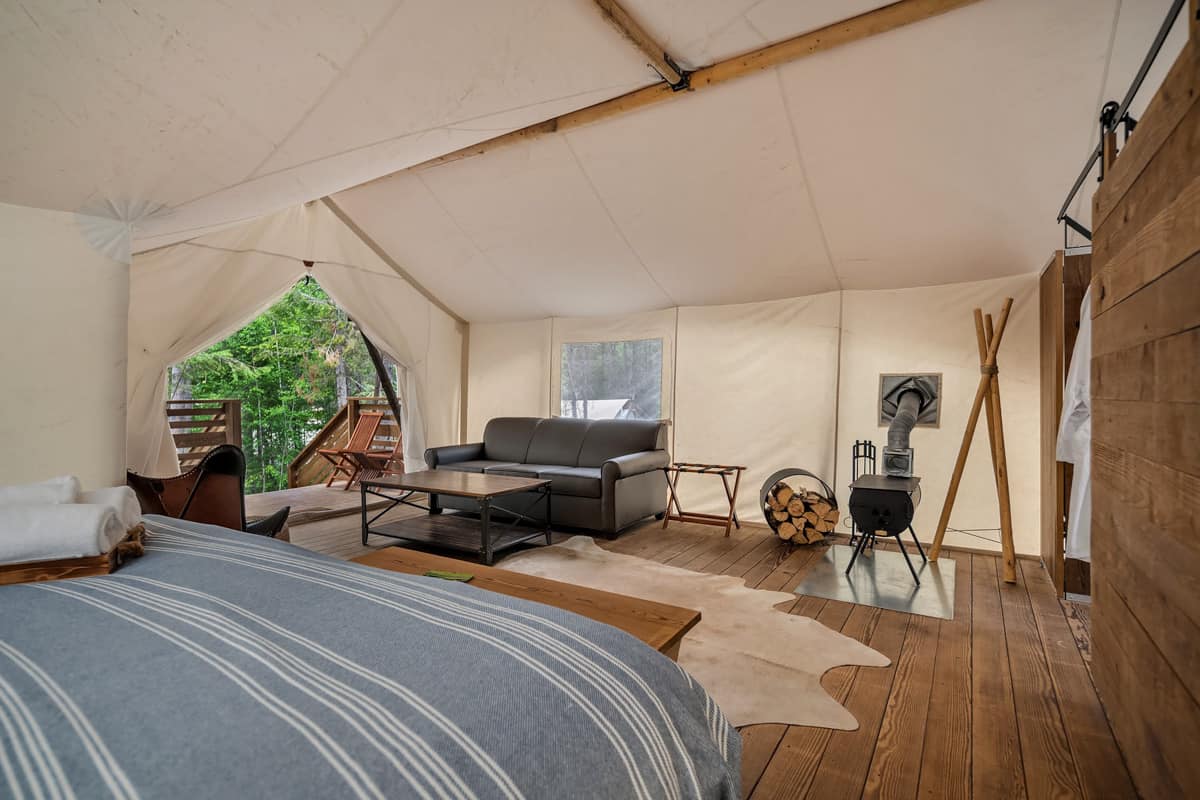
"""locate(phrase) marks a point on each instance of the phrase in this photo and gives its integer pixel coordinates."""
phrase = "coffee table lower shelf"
(483, 538)
(458, 532)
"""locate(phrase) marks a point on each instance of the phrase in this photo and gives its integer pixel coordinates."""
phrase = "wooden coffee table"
(659, 625)
(455, 531)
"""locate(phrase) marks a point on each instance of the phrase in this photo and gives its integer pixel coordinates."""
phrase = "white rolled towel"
(64, 489)
(51, 532)
(121, 499)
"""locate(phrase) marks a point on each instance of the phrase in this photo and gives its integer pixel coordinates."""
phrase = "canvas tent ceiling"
(930, 154)
(937, 153)
(208, 113)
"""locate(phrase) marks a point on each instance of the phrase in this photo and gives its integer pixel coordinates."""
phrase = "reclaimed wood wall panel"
(1146, 439)
(1173, 101)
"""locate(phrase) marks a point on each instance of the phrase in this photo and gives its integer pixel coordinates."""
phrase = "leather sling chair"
(212, 492)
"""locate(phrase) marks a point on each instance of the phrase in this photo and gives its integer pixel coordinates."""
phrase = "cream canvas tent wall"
(844, 208)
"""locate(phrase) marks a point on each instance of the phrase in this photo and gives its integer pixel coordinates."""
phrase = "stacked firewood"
(800, 517)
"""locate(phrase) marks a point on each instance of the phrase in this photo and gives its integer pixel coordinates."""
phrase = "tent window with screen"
(612, 380)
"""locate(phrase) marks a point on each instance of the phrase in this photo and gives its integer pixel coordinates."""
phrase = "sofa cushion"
(557, 441)
(519, 470)
(609, 438)
(507, 438)
(477, 465)
(574, 481)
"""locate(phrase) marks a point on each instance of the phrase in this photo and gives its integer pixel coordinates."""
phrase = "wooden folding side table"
(726, 521)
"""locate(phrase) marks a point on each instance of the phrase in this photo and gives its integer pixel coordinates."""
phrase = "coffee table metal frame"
(487, 541)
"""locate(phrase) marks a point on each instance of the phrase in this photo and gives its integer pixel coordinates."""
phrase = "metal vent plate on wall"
(891, 385)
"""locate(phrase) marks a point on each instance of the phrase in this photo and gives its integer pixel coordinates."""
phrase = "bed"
(222, 664)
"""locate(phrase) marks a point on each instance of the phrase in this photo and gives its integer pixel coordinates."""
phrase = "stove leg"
(862, 542)
(920, 549)
(908, 561)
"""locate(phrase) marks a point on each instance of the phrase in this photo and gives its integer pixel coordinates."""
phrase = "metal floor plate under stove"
(881, 579)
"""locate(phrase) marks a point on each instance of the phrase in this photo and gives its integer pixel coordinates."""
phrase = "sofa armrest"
(450, 454)
(634, 464)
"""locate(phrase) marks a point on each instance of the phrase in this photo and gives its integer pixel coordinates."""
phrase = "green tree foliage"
(292, 368)
(605, 379)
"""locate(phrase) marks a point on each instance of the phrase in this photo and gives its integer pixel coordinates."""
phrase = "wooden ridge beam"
(634, 32)
(872, 23)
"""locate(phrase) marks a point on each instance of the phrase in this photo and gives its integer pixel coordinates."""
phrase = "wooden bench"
(659, 625)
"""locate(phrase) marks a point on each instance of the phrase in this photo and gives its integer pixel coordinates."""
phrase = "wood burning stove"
(882, 505)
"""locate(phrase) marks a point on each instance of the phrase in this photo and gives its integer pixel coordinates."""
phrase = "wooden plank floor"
(308, 503)
(996, 703)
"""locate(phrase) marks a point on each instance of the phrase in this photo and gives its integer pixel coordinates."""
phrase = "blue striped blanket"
(227, 665)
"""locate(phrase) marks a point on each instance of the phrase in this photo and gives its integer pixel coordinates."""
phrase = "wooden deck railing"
(200, 425)
(309, 468)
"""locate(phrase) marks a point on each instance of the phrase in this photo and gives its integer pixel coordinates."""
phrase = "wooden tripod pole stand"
(988, 392)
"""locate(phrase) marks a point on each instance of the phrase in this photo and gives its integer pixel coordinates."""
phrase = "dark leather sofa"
(604, 475)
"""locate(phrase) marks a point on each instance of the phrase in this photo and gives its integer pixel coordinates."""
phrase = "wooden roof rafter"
(863, 26)
(662, 62)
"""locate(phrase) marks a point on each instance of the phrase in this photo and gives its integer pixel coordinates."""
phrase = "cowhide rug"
(758, 663)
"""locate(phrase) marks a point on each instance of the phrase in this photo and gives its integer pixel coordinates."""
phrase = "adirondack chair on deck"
(343, 458)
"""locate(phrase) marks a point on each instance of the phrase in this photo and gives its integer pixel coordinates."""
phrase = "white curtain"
(188, 296)
(181, 300)
(395, 318)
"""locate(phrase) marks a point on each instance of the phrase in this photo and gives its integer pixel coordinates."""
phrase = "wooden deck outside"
(309, 468)
(310, 504)
(996, 703)
(200, 425)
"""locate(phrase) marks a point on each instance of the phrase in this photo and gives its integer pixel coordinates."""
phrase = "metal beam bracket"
(1069, 222)
(685, 76)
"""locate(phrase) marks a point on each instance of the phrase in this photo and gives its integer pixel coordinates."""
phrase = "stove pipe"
(898, 455)
(906, 417)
